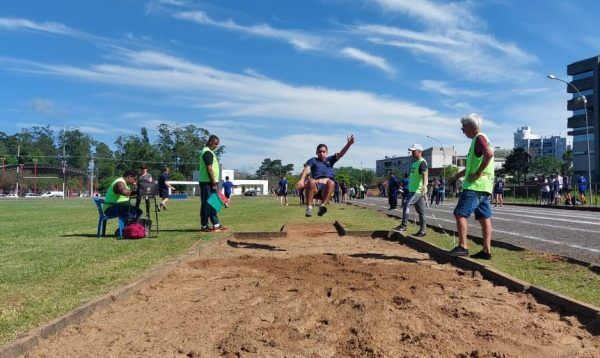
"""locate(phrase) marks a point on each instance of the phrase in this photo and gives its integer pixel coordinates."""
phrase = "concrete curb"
(32, 338)
(258, 235)
(575, 208)
(589, 313)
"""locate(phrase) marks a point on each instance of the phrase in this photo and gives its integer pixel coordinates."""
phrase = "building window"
(581, 128)
(583, 137)
(579, 112)
(587, 92)
(582, 75)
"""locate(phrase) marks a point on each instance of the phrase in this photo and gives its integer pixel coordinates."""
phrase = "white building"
(536, 146)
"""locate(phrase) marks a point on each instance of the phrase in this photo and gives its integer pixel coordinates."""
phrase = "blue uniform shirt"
(322, 168)
(227, 186)
(283, 186)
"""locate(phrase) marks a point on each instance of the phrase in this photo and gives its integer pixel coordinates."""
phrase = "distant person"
(143, 184)
(361, 190)
(227, 189)
(435, 192)
(393, 189)
(582, 186)
(117, 198)
(545, 183)
(405, 190)
(442, 192)
(322, 183)
(210, 172)
(499, 192)
(336, 193)
(282, 191)
(344, 189)
(567, 188)
(163, 188)
(417, 190)
(243, 192)
(476, 189)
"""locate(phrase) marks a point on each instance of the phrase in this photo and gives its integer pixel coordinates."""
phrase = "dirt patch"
(317, 294)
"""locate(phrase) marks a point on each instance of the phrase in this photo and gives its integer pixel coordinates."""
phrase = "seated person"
(322, 183)
(117, 198)
(144, 185)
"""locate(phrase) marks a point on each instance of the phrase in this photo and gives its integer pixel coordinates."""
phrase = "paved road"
(569, 233)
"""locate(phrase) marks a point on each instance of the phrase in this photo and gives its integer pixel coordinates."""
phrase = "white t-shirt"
(560, 182)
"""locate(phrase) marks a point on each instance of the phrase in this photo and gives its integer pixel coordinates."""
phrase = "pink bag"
(134, 231)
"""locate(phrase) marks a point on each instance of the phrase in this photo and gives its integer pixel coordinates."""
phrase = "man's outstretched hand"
(350, 139)
(300, 185)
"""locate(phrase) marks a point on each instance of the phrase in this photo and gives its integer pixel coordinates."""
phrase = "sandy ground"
(314, 294)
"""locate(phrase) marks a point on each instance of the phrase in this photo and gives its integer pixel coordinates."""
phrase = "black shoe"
(420, 234)
(482, 255)
(458, 251)
(322, 210)
(164, 207)
(399, 228)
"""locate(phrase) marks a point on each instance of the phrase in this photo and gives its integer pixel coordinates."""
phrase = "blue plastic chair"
(103, 218)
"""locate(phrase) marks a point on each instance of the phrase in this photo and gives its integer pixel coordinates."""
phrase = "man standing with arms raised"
(322, 182)
(477, 188)
(417, 187)
(208, 167)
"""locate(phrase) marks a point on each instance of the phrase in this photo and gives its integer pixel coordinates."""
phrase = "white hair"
(472, 120)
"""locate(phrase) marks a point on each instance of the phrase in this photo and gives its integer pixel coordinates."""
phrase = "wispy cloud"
(246, 96)
(368, 59)
(445, 89)
(453, 37)
(296, 38)
(8, 23)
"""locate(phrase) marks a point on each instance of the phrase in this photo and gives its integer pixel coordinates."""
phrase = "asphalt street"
(569, 233)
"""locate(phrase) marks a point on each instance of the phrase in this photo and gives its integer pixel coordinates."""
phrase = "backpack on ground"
(134, 230)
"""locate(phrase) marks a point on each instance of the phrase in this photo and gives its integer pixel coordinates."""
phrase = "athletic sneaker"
(219, 228)
(421, 234)
(322, 210)
(482, 255)
(399, 228)
(205, 229)
(164, 207)
(308, 212)
(458, 251)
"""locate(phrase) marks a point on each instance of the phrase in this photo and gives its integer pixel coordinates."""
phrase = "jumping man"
(322, 183)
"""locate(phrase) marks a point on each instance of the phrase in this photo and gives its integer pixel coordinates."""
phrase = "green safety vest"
(114, 198)
(202, 168)
(485, 183)
(415, 180)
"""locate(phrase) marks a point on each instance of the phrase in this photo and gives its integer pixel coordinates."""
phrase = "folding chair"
(103, 218)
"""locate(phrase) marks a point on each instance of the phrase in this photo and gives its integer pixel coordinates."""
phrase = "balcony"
(582, 84)
(575, 103)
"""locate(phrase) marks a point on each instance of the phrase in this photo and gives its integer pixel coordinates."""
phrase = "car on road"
(251, 193)
(53, 194)
(12, 196)
(32, 195)
(2, 196)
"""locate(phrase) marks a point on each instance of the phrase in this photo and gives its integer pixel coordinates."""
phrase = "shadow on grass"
(371, 255)
(252, 245)
(110, 236)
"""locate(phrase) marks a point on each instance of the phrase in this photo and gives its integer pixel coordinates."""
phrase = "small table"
(147, 199)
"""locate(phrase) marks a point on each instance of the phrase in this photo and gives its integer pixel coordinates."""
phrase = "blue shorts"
(477, 202)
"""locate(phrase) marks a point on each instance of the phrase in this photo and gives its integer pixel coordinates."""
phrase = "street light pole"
(361, 177)
(443, 154)
(587, 128)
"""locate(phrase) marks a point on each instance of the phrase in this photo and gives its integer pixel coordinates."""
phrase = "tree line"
(176, 147)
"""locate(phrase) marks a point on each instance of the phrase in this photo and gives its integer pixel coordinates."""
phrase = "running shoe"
(205, 229)
(420, 234)
(322, 210)
(308, 212)
(399, 228)
(482, 255)
(458, 251)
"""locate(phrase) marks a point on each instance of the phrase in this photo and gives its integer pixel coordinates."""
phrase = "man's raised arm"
(350, 141)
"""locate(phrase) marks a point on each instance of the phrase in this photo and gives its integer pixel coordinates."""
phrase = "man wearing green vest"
(117, 197)
(477, 188)
(210, 174)
(417, 188)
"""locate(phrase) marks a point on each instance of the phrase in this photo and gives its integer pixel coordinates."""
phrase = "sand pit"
(319, 295)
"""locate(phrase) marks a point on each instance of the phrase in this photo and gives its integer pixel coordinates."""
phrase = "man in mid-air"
(322, 182)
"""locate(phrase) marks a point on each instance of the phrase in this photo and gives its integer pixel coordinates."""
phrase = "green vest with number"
(415, 179)
(114, 198)
(204, 176)
(485, 183)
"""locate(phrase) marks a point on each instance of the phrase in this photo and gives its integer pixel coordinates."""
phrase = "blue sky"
(275, 78)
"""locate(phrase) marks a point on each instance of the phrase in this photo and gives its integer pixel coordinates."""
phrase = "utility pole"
(35, 160)
(18, 155)
(92, 179)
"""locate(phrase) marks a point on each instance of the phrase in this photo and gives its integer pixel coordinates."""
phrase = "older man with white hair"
(477, 188)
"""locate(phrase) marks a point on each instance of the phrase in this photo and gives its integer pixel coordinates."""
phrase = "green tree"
(104, 161)
(77, 147)
(517, 164)
(567, 165)
(545, 166)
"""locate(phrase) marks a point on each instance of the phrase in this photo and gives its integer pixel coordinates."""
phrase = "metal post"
(18, 155)
(35, 175)
(63, 170)
(92, 180)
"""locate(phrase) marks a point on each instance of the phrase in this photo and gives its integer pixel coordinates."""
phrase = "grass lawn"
(52, 261)
(539, 269)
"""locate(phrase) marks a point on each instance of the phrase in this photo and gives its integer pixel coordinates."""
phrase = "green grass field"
(52, 261)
